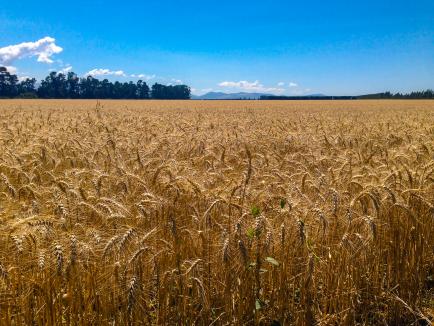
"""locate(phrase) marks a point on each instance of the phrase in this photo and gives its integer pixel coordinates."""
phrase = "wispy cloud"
(298, 92)
(280, 84)
(292, 84)
(143, 76)
(11, 69)
(105, 72)
(255, 86)
(43, 49)
(65, 70)
(23, 78)
(200, 91)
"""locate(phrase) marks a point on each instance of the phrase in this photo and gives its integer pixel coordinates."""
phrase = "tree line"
(427, 94)
(70, 86)
(308, 97)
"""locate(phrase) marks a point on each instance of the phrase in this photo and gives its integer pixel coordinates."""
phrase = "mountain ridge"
(236, 96)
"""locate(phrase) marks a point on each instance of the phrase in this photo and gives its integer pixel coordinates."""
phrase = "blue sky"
(281, 47)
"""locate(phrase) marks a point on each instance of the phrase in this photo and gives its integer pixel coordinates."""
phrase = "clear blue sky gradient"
(330, 47)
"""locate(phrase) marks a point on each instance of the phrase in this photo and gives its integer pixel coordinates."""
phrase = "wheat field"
(216, 212)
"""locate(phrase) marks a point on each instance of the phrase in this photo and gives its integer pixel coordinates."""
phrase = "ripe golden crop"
(216, 212)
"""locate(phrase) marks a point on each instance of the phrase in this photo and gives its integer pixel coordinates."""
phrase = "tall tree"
(158, 91)
(142, 90)
(27, 87)
(8, 83)
(88, 87)
(170, 92)
(72, 85)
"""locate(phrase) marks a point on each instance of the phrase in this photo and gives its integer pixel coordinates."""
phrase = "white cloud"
(23, 78)
(143, 76)
(11, 70)
(255, 86)
(44, 49)
(298, 92)
(105, 72)
(65, 70)
(174, 81)
(292, 84)
(201, 91)
(243, 84)
(280, 84)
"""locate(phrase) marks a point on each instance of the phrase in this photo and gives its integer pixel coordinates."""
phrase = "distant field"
(217, 104)
(216, 212)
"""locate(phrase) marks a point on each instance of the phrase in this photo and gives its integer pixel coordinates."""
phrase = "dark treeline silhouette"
(283, 97)
(160, 91)
(10, 86)
(70, 86)
(428, 94)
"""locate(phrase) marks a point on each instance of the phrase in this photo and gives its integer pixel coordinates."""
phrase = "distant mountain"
(238, 96)
(316, 95)
(228, 96)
